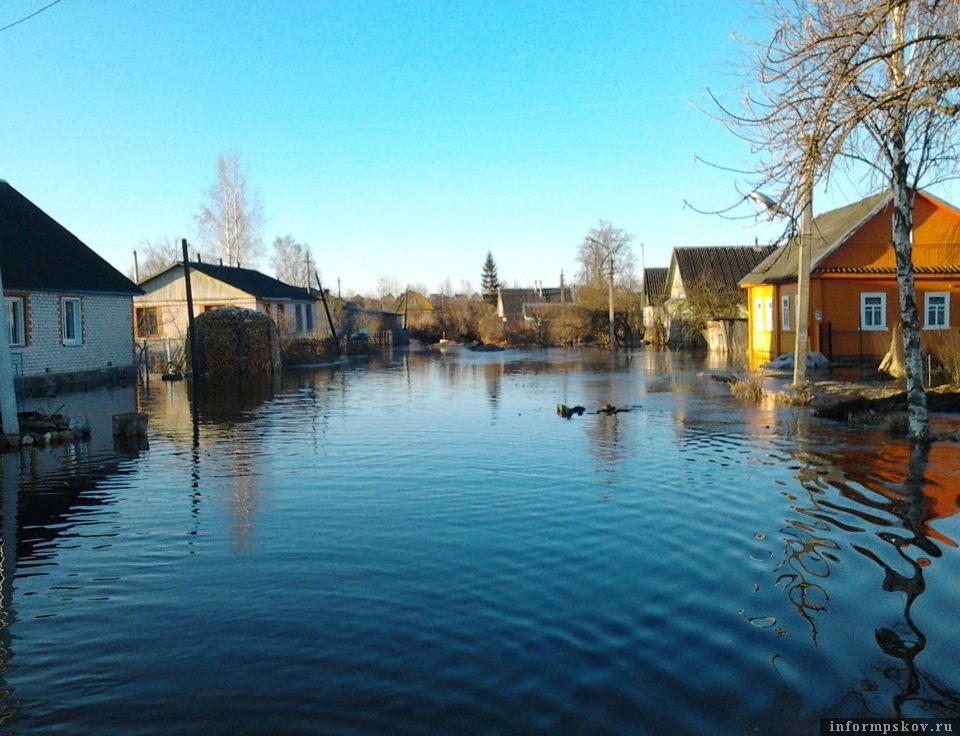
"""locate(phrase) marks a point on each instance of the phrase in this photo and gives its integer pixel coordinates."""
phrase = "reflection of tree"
(493, 375)
(809, 550)
(907, 642)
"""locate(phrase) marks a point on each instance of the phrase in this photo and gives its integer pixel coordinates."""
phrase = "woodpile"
(234, 341)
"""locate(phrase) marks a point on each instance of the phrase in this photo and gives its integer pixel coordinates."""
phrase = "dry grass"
(796, 395)
(748, 387)
(947, 354)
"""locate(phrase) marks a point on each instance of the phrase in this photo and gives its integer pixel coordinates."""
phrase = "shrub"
(749, 387)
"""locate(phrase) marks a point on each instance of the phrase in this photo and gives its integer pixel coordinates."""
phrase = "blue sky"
(399, 139)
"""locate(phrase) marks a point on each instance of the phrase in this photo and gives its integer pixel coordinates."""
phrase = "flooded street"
(420, 545)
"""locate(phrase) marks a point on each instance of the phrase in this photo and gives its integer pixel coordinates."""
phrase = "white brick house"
(69, 312)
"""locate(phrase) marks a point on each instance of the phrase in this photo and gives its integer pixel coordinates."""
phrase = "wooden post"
(8, 394)
(191, 326)
(323, 298)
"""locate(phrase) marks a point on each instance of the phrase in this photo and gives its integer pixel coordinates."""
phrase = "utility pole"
(613, 336)
(8, 393)
(191, 325)
(803, 285)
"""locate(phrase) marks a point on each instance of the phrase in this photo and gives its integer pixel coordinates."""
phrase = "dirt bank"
(835, 400)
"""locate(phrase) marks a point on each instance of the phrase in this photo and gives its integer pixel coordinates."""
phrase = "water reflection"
(429, 550)
(895, 491)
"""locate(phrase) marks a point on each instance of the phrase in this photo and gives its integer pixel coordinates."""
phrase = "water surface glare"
(420, 545)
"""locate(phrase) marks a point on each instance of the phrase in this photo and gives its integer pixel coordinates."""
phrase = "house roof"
(514, 299)
(829, 231)
(38, 253)
(412, 301)
(723, 265)
(655, 284)
(246, 280)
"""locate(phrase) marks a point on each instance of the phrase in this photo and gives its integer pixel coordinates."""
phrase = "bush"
(749, 387)
(947, 354)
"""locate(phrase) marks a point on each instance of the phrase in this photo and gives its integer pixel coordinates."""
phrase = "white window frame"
(873, 309)
(74, 325)
(15, 321)
(944, 311)
(768, 316)
(785, 313)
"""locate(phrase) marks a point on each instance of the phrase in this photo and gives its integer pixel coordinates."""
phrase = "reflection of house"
(68, 310)
(919, 491)
(702, 285)
(519, 307)
(853, 286)
(161, 313)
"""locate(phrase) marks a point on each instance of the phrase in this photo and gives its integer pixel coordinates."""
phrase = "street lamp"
(802, 345)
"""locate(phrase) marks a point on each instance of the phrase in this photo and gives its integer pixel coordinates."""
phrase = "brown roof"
(723, 265)
(514, 299)
(654, 285)
(830, 230)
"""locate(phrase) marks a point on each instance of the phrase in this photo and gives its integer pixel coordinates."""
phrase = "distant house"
(415, 309)
(521, 307)
(652, 301)
(69, 311)
(853, 287)
(160, 314)
(702, 285)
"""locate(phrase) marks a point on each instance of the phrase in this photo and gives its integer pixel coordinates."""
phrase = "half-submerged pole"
(191, 326)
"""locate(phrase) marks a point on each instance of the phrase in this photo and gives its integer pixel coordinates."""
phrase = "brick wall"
(107, 335)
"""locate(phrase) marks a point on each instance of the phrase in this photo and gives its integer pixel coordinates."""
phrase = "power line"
(28, 17)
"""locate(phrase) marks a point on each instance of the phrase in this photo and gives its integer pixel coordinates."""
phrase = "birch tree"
(231, 219)
(871, 85)
(292, 261)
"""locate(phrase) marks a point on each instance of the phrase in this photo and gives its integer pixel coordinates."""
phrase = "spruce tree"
(489, 282)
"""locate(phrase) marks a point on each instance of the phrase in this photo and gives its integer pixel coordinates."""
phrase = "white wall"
(107, 335)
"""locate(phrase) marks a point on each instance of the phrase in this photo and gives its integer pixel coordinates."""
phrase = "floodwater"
(420, 545)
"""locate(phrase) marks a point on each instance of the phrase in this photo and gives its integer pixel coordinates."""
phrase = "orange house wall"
(837, 296)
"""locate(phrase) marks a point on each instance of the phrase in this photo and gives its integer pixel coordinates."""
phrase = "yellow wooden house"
(854, 298)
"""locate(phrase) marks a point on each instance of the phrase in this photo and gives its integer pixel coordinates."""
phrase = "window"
(936, 309)
(758, 315)
(309, 310)
(873, 311)
(768, 304)
(15, 322)
(148, 321)
(785, 313)
(70, 321)
(298, 316)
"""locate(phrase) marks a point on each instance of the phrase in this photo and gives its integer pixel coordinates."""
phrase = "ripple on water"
(428, 549)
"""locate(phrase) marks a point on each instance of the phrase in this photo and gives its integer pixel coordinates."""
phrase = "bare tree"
(605, 252)
(292, 261)
(869, 84)
(155, 254)
(231, 219)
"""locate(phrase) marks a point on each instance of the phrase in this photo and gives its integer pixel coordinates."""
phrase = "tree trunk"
(918, 416)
